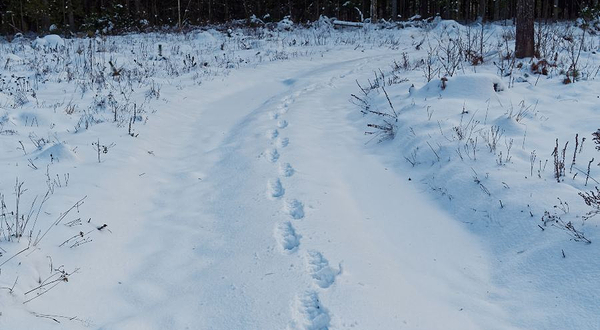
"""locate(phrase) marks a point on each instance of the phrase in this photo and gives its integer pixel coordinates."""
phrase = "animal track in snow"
(272, 134)
(294, 208)
(272, 155)
(283, 142)
(282, 123)
(287, 237)
(273, 115)
(286, 169)
(290, 99)
(310, 313)
(320, 270)
(275, 189)
(283, 110)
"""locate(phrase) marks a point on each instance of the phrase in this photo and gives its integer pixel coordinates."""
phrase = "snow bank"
(51, 41)
(13, 58)
(207, 37)
(477, 86)
(449, 27)
(481, 142)
(58, 152)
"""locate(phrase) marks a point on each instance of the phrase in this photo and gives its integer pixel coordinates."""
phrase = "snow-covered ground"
(223, 180)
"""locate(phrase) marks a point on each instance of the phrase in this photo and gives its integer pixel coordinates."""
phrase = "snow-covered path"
(260, 207)
(212, 180)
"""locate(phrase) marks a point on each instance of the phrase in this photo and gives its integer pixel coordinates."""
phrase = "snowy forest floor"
(224, 180)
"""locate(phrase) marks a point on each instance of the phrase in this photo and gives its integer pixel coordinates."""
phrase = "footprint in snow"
(273, 115)
(283, 142)
(286, 236)
(309, 313)
(275, 189)
(283, 110)
(290, 99)
(282, 123)
(286, 169)
(319, 269)
(294, 208)
(272, 155)
(272, 134)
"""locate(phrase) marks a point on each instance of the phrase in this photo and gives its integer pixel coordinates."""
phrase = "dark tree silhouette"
(525, 35)
(88, 16)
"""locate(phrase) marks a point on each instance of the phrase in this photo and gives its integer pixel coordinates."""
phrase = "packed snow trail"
(253, 203)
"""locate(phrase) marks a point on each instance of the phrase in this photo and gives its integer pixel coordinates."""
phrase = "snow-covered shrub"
(50, 42)
(286, 24)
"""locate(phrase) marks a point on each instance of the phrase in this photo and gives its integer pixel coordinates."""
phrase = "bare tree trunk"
(555, 9)
(64, 12)
(423, 8)
(524, 46)
(482, 9)
(373, 11)
(179, 14)
(246, 11)
(403, 9)
(71, 17)
(394, 9)
(22, 18)
(544, 10)
(45, 18)
(496, 10)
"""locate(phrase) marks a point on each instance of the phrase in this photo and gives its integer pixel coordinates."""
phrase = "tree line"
(119, 15)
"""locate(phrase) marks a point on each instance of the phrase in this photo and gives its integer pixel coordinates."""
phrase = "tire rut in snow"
(307, 309)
